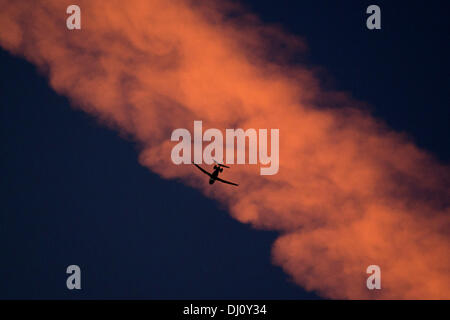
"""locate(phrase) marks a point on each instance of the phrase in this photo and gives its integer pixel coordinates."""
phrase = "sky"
(75, 191)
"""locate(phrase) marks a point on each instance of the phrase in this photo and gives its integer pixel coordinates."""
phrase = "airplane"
(213, 177)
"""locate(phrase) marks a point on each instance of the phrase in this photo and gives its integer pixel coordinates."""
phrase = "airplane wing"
(222, 165)
(203, 170)
(224, 181)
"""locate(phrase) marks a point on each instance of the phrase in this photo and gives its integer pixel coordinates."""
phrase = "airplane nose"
(211, 181)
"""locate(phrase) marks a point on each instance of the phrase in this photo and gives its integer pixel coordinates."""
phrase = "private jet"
(214, 176)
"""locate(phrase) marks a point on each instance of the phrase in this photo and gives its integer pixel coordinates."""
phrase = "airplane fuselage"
(214, 175)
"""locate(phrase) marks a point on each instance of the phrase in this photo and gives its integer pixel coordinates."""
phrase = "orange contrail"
(349, 193)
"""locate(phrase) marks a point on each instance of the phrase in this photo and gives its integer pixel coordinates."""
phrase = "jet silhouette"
(214, 176)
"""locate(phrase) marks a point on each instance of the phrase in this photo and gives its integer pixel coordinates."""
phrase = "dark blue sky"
(72, 192)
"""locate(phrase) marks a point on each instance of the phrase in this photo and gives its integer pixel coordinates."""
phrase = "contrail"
(349, 193)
